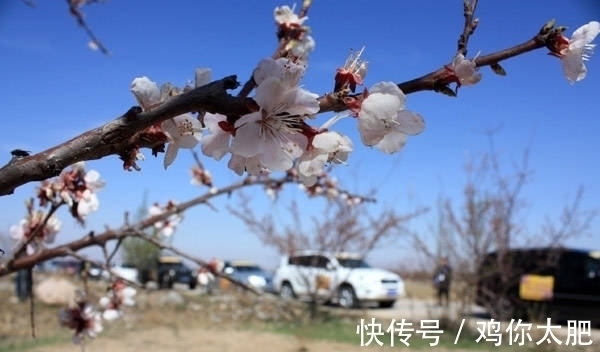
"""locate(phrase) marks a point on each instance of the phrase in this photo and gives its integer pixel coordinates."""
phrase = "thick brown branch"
(118, 135)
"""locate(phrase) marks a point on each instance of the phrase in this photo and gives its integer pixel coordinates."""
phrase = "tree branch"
(109, 235)
(119, 136)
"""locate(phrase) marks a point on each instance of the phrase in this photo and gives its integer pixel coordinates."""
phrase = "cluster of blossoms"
(76, 188)
(183, 131)
(86, 320)
(202, 177)
(83, 318)
(119, 295)
(36, 229)
(165, 227)
(292, 32)
(277, 135)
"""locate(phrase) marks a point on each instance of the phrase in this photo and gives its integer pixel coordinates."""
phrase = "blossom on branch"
(26, 227)
(326, 147)
(146, 92)
(573, 52)
(118, 296)
(183, 131)
(167, 226)
(382, 120)
(272, 134)
(292, 31)
(464, 71)
(216, 143)
(83, 318)
(76, 188)
(352, 73)
(290, 72)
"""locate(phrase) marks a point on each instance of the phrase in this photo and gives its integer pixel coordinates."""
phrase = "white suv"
(342, 278)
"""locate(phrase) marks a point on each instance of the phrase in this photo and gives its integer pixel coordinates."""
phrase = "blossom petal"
(584, 35)
(389, 88)
(146, 92)
(170, 154)
(573, 67)
(246, 141)
(392, 142)
(301, 102)
(410, 123)
(202, 76)
(288, 71)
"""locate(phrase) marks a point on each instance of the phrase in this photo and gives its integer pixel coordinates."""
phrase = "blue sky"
(54, 88)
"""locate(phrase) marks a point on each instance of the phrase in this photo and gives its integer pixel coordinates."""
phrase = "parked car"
(559, 283)
(126, 271)
(90, 270)
(344, 279)
(250, 274)
(167, 271)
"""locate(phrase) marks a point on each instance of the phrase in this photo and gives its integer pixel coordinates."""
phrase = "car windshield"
(353, 263)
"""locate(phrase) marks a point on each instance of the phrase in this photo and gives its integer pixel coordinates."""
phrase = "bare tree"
(489, 217)
(344, 225)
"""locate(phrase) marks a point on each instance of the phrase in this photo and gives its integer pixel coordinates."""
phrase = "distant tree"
(346, 224)
(137, 250)
(490, 217)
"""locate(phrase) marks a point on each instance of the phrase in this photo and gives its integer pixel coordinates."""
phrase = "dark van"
(537, 283)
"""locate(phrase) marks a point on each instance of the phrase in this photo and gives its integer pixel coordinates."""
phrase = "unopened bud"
(547, 27)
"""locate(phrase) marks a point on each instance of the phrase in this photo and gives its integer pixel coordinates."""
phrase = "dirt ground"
(165, 339)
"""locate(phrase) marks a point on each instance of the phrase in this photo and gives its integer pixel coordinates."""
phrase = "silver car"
(250, 274)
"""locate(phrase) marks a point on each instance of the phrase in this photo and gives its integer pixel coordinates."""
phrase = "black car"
(168, 271)
(540, 283)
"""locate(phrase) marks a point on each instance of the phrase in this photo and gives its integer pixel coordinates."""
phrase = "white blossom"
(271, 134)
(382, 120)
(146, 92)
(327, 147)
(183, 131)
(465, 70)
(579, 50)
(216, 143)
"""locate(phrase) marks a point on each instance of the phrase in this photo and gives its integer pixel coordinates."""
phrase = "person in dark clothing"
(441, 281)
(23, 284)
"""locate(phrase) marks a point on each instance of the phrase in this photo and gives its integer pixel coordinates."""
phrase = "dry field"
(199, 323)
(231, 322)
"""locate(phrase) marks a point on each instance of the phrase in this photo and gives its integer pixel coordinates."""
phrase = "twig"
(23, 245)
(74, 6)
(31, 304)
(110, 235)
(469, 7)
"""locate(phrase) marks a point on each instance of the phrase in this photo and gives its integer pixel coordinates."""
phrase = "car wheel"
(347, 297)
(386, 304)
(502, 309)
(166, 281)
(287, 291)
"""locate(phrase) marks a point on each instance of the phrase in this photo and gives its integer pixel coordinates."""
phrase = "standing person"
(23, 284)
(441, 281)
